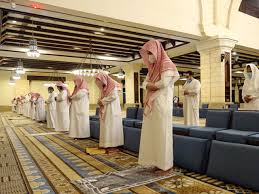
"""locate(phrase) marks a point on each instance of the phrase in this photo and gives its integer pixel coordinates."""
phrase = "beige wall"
(166, 14)
(23, 86)
(246, 29)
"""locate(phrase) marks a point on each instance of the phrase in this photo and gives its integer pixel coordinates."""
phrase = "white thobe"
(19, 108)
(62, 107)
(40, 114)
(191, 103)
(51, 111)
(156, 145)
(13, 106)
(27, 105)
(111, 129)
(32, 113)
(79, 115)
(249, 89)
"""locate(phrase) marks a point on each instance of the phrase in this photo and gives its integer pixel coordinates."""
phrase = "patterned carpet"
(34, 161)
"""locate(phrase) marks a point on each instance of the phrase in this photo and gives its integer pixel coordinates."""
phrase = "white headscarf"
(254, 81)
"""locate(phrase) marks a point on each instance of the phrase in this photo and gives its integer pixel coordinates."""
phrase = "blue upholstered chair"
(244, 124)
(96, 116)
(180, 129)
(191, 153)
(95, 129)
(131, 122)
(131, 115)
(216, 121)
(131, 138)
(234, 163)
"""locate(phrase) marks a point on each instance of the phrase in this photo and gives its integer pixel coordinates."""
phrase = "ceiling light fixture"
(20, 69)
(14, 22)
(16, 76)
(77, 48)
(11, 81)
(33, 49)
(102, 29)
(121, 74)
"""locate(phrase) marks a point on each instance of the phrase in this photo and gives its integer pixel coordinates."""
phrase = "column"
(132, 87)
(215, 68)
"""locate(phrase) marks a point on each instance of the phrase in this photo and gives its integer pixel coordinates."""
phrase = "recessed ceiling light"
(102, 29)
(14, 22)
(239, 72)
(99, 33)
(107, 54)
(77, 48)
(50, 67)
(13, 5)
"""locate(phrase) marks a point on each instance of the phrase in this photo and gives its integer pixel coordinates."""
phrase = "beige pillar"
(129, 70)
(213, 69)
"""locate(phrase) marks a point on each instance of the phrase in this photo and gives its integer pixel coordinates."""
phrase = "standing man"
(156, 145)
(111, 129)
(192, 89)
(250, 92)
(62, 108)
(51, 109)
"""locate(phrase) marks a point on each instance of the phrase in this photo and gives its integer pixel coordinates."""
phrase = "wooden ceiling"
(51, 65)
(55, 34)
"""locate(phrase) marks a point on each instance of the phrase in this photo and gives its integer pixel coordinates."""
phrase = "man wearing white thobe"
(62, 107)
(51, 109)
(250, 92)
(40, 114)
(191, 100)
(79, 110)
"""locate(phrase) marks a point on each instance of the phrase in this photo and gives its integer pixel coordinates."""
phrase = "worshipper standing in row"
(79, 110)
(14, 105)
(32, 107)
(51, 109)
(62, 108)
(19, 105)
(156, 145)
(40, 114)
(191, 89)
(250, 92)
(28, 104)
(111, 129)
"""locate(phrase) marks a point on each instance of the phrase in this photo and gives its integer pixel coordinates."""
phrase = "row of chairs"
(227, 148)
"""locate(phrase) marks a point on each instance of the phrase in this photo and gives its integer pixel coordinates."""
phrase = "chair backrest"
(218, 118)
(246, 120)
(131, 112)
(140, 114)
(97, 111)
(205, 106)
(233, 106)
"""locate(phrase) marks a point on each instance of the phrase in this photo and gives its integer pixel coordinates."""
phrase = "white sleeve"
(145, 83)
(164, 81)
(80, 94)
(111, 97)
